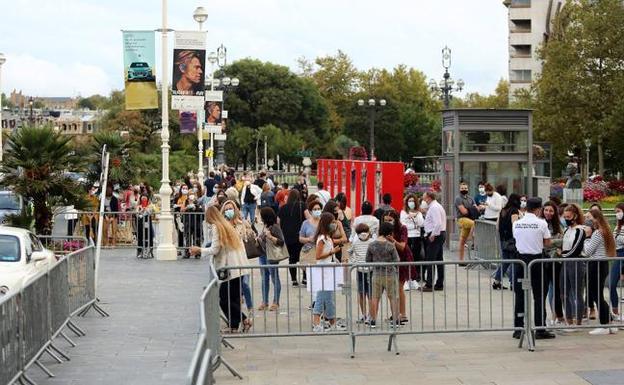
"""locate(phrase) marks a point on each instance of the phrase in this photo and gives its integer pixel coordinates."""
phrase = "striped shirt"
(594, 246)
(619, 238)
(357, 252)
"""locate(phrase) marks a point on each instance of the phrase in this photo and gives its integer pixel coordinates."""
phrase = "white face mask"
(363, 236)
(316, 213)
(619, 215)
(184, 191)
(523, 204)
(411, 205)
(424, 205)
(482, 190)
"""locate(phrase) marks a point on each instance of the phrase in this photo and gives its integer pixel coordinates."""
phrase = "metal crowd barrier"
(466, 302)
(564, 291)
(31, 318)
(486, 241)
(63, 245)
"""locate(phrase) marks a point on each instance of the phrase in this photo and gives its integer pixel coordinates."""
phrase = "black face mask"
(463, 192)
(490, 194)
(568, 222)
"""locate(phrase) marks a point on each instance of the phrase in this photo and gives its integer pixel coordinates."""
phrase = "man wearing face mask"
(435, 235)
(465, 213)
(493, 204)
(250, 199)
(480, 198)
(366, 218)
(210, 184)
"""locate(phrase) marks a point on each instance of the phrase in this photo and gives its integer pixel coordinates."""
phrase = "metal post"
(2, 60)
(371, 118)
(104, 184)
(166, 251)
(265, 152)
(587, 162)
(200, 142)
(446, 90)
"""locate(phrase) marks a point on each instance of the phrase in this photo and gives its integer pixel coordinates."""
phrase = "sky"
(74, 47)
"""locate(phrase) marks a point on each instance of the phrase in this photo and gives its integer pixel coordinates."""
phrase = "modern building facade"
(530, 23)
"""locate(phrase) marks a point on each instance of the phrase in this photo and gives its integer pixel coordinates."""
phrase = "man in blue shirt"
(481, 197)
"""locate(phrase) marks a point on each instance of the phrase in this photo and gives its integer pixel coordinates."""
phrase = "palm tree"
(34, 166)
(121, 169)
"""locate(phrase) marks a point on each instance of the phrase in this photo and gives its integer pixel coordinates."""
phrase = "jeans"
(247, 292)
(270, 273)
(572, 286)
(597, 272)
(614, 278)
(325, 304)
(503, 267)
(554, 288)
(249, 209)
(433, 253)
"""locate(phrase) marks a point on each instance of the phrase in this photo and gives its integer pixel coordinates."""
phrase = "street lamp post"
(166, 251)
(372, 110)
(30, 104)
(447, 85)
(200, 16)
(226, 84)
(587, 147)
(2, 61)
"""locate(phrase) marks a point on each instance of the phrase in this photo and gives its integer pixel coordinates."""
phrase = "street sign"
(305, 153)
(212, 129)
(214, 96)
(220, 137)
(224, 114)
(209, 153)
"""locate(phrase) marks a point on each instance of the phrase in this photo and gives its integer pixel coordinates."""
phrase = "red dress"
(405, 272)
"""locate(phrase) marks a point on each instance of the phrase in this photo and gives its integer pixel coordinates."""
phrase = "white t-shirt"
(530, 232)
(323, 197)
(494, 206)
(328, 245)
(371, 221)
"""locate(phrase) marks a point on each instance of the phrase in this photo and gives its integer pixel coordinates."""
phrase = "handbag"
(252, 248)
(275, 253)
(308, 257)
(509, 246)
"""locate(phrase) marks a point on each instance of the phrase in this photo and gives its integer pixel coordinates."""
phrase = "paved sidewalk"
(152, 330)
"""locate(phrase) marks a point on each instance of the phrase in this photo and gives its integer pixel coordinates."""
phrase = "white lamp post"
(587, 147)
(166, 251)
(2, 61)
(200, 15)
(371, 120)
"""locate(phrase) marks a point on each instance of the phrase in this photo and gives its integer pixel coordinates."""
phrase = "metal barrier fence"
(31, 318)
(62, 245)
(462, 301)
(568, 294)
(486, 240)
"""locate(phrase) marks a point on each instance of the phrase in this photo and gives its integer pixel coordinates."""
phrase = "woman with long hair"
(413, 220)
(616, 266)
(552, 272)
(573, 272)
(346, 214)
(227, 250)
(291, 218)
(399, 239)
(600, 244)
(272, 233)
(339, 236)
(509, 214)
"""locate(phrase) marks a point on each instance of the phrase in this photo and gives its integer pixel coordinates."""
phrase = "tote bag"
(275, 253)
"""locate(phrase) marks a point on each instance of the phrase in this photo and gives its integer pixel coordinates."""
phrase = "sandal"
(230, 331)
(247, 324)
(263, 307)
(274, 307)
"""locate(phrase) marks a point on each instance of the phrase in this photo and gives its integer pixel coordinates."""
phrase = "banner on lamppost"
(139, 70)
(189, 67)
(188, 122)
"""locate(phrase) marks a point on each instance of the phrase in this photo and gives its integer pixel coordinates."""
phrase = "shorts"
(465, 226)
(324, 303)
(389, 282)
(364, 283)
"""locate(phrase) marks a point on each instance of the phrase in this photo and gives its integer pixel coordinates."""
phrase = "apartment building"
(530, 23)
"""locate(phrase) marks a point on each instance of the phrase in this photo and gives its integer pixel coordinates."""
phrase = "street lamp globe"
(216, 83)
(200, 15)
(460, 84)
(235, 82)
(587, 143)
(382, 102)
(442, 84)
(212, 57)
(433, 85)
(226, 81)
(30, 101)
(371, 102)
(360, 102)
(2, 59)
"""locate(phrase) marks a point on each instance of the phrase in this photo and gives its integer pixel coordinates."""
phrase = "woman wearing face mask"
(413, 220)
(192, 220)
(306, 236)
(144, 228)
(180, 201)
(509, 215)
(232, 214)
(399, 239)
(480, 198)
(523, 205)
(339, 237)
(291, 218)
(272, 233)
(552, 272)
(574, 272)
(616, 267)
(346, 215)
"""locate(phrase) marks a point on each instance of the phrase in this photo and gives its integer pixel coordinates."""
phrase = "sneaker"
(516, 334)
(318, 329)
(406, 286)
(426, 289)
(498, 286)
(544, 335)
(372, 323)
(438, 287)
(340, 326)
(414, 285)
(613, 330)
(600, 332)
(295, 284)
(361, 320)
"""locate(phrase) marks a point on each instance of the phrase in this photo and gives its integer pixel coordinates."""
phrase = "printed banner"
(188, 122)
(189, 67)
(139, 70)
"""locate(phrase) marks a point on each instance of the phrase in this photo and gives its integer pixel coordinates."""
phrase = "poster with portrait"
(189, 68)
(188, 122)
(139, 70)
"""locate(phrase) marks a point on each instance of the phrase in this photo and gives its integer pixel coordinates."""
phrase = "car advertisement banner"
(189, 68)
(188, 122)
(139, 70)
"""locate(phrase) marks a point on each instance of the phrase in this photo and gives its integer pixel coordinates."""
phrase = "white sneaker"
(318, 329)
(613, 330)
(406, 286)
(600, 332)
(414, 285)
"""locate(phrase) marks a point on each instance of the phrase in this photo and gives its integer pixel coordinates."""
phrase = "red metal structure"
(362, 180)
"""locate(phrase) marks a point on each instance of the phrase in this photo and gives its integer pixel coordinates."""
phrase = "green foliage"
(6, 103)
(24, 220)
(34, 166)
(500, 98)
(121, 169)
(93, 102)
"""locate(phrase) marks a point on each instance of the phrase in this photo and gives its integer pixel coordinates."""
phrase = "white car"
(22, 258)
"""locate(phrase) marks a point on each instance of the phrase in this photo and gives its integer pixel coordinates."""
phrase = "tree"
(93, 102)
(344, 144)
(582, 83)
(500, 98)
(121, 169)
(6, 103)
(34, 166)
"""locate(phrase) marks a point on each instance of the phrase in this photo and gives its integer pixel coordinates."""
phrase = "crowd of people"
(529, 229)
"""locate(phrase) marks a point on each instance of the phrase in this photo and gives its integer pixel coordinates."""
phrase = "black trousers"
(230, 302)
(553, 271)
(71, 226)
(597, 272)
(434, 252)
(415, 245)
(539, 286)
(294, 250)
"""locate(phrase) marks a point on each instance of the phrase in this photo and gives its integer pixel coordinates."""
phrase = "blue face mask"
(229, 214)
(563, 222)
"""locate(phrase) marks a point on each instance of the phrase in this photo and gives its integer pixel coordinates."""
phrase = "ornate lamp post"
(200, 16)
(587, 147)
(372, 106)
(226, 84)
(2, 61)
(447, 84)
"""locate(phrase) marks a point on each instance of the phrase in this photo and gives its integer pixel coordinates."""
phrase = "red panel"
(392, 180)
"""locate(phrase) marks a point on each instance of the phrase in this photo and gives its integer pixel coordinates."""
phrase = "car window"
(9, 202)
(36, 243)
(9, 248)
(28, 248)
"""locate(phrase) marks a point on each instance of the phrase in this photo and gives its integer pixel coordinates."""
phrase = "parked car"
(22, 258)
(10, 203)
(140, 71)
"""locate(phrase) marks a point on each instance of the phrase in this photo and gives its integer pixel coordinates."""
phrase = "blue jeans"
(270, 273)
(247, 292)
(325, 304)
(503, 267)
(614, 278)
(249, 209)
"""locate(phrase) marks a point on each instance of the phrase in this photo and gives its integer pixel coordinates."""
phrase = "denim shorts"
(324, 303)
(364, 283)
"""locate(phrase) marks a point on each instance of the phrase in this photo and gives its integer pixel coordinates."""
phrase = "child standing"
(384, 277)
(325, 252)
(357, 255)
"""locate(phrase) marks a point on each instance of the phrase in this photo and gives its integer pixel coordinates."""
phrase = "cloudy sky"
(73, 47)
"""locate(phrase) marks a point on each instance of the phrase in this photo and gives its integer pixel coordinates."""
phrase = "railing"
(486, 240)
(31, 318)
